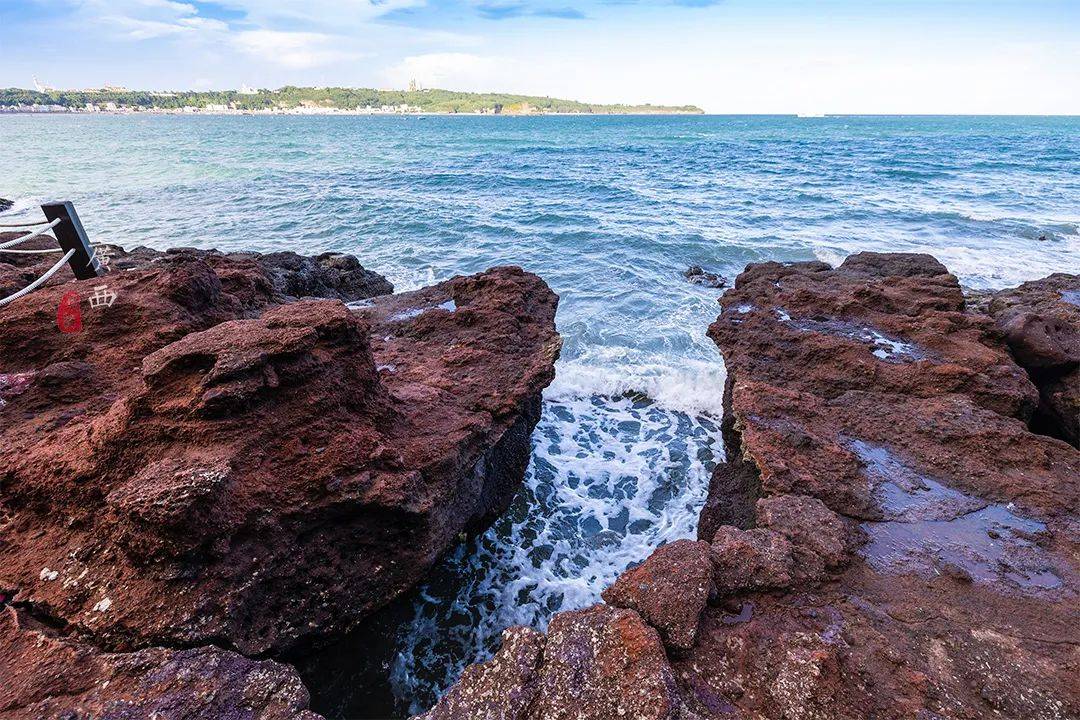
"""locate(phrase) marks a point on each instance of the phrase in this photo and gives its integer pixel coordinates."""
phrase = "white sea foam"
(691, 386)
(612, 477)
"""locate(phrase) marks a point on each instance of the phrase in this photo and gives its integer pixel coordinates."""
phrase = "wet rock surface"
(209, 461)
(887, 538)
(47, 676)
(700, 276)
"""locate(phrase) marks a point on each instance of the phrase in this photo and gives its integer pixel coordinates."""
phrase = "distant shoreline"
(335, 113)
(291, 100)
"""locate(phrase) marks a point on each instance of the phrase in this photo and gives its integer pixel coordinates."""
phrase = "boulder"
(700, 276)
(208, 462)
(669, 590)
(1041, 323)
(601, 663)
(49, 676)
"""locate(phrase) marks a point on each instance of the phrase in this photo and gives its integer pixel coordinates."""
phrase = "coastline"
(335, 112)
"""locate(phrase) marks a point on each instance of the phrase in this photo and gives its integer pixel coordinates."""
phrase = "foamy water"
(610, 211)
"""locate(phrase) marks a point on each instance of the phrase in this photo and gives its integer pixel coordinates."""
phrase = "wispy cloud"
(507, 10)
(297, 50)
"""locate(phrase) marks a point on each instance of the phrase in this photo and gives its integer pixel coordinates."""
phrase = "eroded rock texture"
(46, 677)
(1041, 323)
(887, 539)
(207, 462)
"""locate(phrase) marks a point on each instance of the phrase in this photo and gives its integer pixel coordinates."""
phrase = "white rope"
(30, 236)
(35, 223)
(41, 280)
(33, 252)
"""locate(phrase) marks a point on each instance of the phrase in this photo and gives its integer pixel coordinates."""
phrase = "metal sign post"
(72, 236)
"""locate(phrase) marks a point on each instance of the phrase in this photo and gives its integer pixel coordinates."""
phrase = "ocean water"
(610, 211)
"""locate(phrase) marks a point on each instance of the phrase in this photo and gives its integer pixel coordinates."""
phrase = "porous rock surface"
(50, 677)
(210, 461)
(285, 274)
(888, 537)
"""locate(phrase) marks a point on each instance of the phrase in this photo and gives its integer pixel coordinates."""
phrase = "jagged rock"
(669, 590)
(699, 276)
(329, 275)
(6, 204)
(501, 688)
(1041, 322)
(46, 676)
(604, 663)
(889, 538)
(867, 394)
(247, 275)
(600, 663)
(203, 464)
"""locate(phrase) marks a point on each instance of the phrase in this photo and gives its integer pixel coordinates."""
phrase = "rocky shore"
(228, 463)
(225, 470)
(889, 537)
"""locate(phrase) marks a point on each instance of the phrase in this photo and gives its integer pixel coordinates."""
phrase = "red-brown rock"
(889, 538)
(501, 688)
(870, 389)
(49, 677)
(204, 464)
(1041, 322)
(669, 590)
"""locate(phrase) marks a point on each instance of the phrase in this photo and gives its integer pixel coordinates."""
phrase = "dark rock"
(330, 275)
(699, 276)
(500, 689)
(46, 676)
(1041, 323)
(669, 590)
(6, 204)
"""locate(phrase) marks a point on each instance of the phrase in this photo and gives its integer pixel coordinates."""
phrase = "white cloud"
(447, 70)
(297, 50)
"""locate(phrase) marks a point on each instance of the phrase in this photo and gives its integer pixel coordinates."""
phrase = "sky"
(726, 56)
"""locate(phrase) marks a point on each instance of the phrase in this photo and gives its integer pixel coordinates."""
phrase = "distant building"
(245, 90)
(415, 86)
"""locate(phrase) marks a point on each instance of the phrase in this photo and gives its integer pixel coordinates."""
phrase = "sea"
(610, 211)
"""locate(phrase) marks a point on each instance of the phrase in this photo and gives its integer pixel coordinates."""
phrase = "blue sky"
(872, 56)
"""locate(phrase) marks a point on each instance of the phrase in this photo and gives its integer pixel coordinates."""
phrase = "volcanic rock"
(700, 276)
(869, 389)
(284, 275)
(500, 689)
(897, 542)
(669, 590)
(204, 464)
(1041, 323)
(46, 676)
(600, 663)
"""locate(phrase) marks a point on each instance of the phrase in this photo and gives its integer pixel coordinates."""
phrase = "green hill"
(292, 98)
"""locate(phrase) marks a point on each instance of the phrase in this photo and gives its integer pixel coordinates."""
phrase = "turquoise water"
(609, 211)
